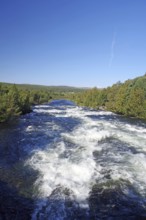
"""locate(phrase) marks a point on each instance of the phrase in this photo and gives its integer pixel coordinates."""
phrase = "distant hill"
(44, 87)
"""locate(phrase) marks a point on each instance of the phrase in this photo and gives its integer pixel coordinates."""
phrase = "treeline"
(128, 98)
(16, 100)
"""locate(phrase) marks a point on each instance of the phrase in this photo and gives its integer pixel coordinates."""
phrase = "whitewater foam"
(70, 161)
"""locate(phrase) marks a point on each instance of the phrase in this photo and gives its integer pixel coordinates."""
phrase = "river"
(64, 162)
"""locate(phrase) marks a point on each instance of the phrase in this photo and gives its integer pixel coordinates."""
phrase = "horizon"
(30, 84)
(79, 87)
(72, 43)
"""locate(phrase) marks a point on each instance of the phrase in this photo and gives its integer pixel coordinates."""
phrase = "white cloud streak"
(112, 52)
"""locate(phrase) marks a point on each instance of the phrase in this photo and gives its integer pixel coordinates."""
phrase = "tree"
(136, 105)
(24, 102)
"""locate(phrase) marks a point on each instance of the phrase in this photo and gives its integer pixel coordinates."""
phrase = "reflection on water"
(66, 162)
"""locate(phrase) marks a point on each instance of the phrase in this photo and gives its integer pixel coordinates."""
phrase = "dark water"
(62, 162)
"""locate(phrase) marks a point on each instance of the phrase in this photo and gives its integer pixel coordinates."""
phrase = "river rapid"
(64, 162)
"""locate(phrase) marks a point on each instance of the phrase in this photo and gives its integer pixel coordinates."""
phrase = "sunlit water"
(77, 163)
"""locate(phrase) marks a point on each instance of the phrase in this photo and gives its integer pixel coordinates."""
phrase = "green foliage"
(136, 104)
(9, 103)
(127, 98)
(24, 102)
(18, 99)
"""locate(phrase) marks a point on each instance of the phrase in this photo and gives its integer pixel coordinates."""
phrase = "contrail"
(112, 50)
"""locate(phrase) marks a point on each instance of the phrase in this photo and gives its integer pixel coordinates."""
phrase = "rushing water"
(63, 162)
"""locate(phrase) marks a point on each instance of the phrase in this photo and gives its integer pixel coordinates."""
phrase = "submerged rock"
(116, 200)
(14, 206)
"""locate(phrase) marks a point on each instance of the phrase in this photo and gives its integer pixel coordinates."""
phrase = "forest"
(17, 99)
(128, 98)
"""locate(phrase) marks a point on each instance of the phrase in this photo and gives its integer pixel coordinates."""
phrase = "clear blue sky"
(72, 42)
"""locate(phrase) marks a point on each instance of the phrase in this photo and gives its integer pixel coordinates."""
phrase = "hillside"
(43, 87)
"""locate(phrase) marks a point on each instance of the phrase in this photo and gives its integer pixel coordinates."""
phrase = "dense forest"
(16, 100)
(128, 98)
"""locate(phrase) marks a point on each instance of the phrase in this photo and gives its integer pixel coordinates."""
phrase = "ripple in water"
(93, 167)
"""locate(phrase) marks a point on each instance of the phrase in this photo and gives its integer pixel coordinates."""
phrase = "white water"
(70, 162)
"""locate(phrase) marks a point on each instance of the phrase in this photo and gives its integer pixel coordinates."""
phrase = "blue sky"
(72, 42)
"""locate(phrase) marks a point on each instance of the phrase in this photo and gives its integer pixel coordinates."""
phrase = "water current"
(64, 162)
